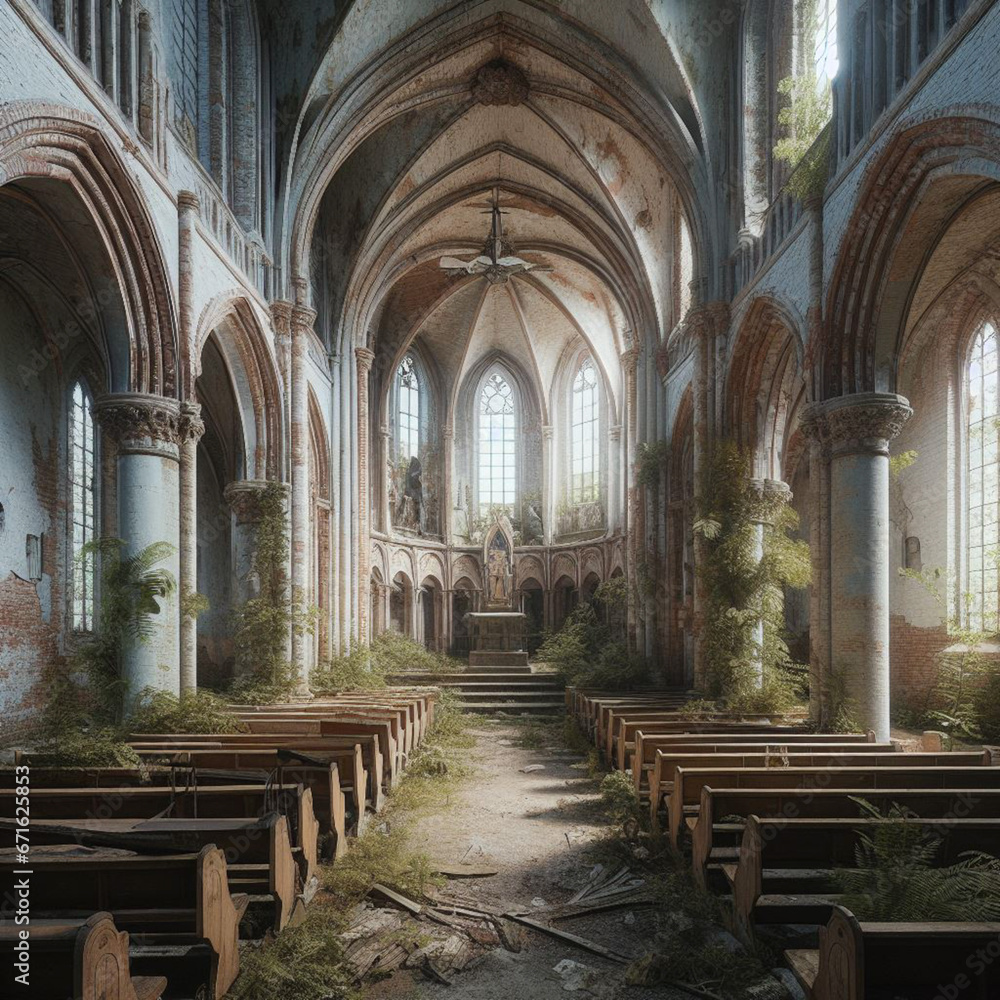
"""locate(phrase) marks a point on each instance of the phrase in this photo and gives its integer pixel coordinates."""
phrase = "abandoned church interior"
(407, 394)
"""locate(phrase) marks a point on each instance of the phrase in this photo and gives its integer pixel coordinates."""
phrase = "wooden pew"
(260, 862)
(187, 769)
(331, 777)
(177, 909)
(685, 794)
(86, 959)
(344, 725)
(718, 830)
(785, 873)
(368, 781)
(648, 742)
(856, 959)
(205, 802)
(668, 765)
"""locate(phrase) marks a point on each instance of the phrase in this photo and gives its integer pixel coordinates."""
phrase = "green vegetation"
(199, 712)
(744, 588)
(367, 668)
(804, 117)
(262, 625)
(591, 649)
(964, 702)
(131, 588)
(895, 876)
(651, 459)
(303, 963)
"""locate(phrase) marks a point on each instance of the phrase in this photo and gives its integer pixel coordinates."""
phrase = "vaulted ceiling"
(417, 123)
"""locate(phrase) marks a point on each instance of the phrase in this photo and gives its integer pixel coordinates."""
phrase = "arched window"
(497, 434)
(584, 428)
(983, 479)
(408, 414)
(826, 56)
(83, 516)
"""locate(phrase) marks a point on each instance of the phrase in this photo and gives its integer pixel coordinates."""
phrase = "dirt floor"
(538, 829)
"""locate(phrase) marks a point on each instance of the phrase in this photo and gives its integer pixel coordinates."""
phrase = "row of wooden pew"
(768, 812)
(144, 880)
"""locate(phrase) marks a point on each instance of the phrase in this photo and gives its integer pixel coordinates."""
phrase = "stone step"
(514, 708)
(528, 697)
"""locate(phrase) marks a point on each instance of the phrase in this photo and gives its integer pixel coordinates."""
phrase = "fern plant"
(131, 589)
(895, 876)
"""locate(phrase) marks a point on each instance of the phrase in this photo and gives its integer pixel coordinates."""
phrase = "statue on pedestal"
(498, 564)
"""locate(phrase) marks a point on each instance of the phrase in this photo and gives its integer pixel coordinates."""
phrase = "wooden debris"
(397, 898)
(464, 871)
(592, 946)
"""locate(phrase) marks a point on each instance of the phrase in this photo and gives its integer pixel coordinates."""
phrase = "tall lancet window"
(585, 425)
(497, 436)
(409, 409)
(984, 480)
(826, 54)
(83, 518)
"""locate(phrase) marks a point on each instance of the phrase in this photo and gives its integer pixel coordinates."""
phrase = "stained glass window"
(497, 433)
(409, 409)
(82, 513)
(984, 480)
(826, 55)
(584, 423)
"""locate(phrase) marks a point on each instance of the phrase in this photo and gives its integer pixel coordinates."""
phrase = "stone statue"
(498, 559)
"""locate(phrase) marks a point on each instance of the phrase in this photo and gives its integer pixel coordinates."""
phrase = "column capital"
(187, 201)
(863, 421)
(365, 359)
(303, 318)
(191, 426)
(547, 431)
(708, 319)
(615, 432)
(139, 422)
(630, 358)
(281, 317)
(244, 495)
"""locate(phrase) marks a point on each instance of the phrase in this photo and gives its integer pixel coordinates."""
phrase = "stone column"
(614, 477)
(336, 513)
(548, 504)
(447, 492)
(860, 427)
(364, 361)
(243, 497)
(147, 431)
(302, 319)
(191, 430)
(628, 360)
(383, 487)
(771, 494)
(814, 428)
(707, 323)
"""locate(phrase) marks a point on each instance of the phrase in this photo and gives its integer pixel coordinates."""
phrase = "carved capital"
(663, 360)
(865, 421)
(139, 422)
(630, 359)
(243, 497)
(709, 320)
(281, 318)
(365, 359)
(191, 426)
(500, 83)
(187, 201)
(303, 319)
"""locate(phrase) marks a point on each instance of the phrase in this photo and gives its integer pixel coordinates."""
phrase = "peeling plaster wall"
(32, 446)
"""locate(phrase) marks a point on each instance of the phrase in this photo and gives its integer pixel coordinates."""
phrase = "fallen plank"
(394, 897)
(591, 946)
(463, 871)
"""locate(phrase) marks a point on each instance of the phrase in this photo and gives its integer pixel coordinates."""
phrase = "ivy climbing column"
(771, 495)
